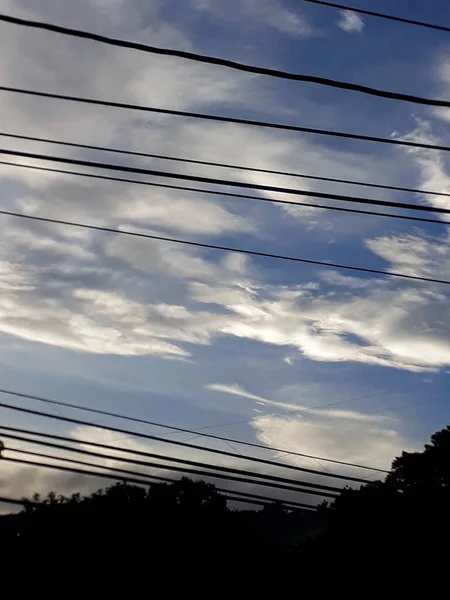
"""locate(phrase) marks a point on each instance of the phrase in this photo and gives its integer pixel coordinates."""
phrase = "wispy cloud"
(271, 13)
(355, 442)
(350, 21)
(328, 413)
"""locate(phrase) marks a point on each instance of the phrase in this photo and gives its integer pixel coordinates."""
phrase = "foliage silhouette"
(406, 515)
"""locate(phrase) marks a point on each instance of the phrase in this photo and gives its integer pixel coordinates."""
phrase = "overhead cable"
(222, 165)
(266, 199)
(4, 500)
(230, 64)
(296, 259)
(160, 238)
(143, 476)
(308, 408)
(143, 453)
(224, 182)
(231, 494)
(162, 457)
(231, 497)
(371, 13)
(227, 493)
(191, 431)
(221, 119)
(153, 437)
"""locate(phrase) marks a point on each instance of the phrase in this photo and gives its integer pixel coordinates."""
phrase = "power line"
(160, 238)
(201, 465)
(221, 165)
(230, 64)
(13, 501)
(232, 497)
(230, 194)
(173, 459)
(183, 430)
(231, 494)
(372, 13)
(225, 182)
(174, 442)
(225, 491)
(308, 408)
(221, 119)
(277, 486)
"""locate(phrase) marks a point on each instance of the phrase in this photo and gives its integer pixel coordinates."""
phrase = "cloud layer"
(350, 21)
(103, 294)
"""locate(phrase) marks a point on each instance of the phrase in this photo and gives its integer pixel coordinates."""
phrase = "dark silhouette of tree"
(174, 522)
(405, 514)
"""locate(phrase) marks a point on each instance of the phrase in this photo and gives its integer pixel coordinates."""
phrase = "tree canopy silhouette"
(405, 515)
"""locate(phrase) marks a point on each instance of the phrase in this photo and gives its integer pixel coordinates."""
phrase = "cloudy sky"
(201, 338)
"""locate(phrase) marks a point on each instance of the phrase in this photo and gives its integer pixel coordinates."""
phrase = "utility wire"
(160, 238)
(173, 442)
(208, 117)
(221, 165)
(287, 503)
(195, 472)
(143, 453)
(180, 429)
(277, 486)
(223, 182)
(308, 408)
(230, 64)
(225, 491)
(231, 494)
(231, 497)
(231, 194)
(14, 501)
(153, 465)
(372, 13)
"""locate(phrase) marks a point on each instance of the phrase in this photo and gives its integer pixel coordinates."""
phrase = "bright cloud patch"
(380, 325)
(349, 441)
(107, 294)
(350, 21)
(270, 13)
(299, 409)
(139, 298)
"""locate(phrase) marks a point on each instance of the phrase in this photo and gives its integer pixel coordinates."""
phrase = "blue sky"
(198, 338)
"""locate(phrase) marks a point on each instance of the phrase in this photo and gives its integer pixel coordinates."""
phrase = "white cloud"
(103, 294)
(350, 21)
(347, 415)
(431, 165)
(135, 297)
(415, 255)
(18, 481)
(183, 214)
(355, 442)
(382, 325)
(271, 13)
(237, 391)
(99, 294)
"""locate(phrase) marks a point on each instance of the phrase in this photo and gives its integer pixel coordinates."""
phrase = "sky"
(201, 338)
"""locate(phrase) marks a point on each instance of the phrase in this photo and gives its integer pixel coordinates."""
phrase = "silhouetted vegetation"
(405, 515)
(177, 521)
